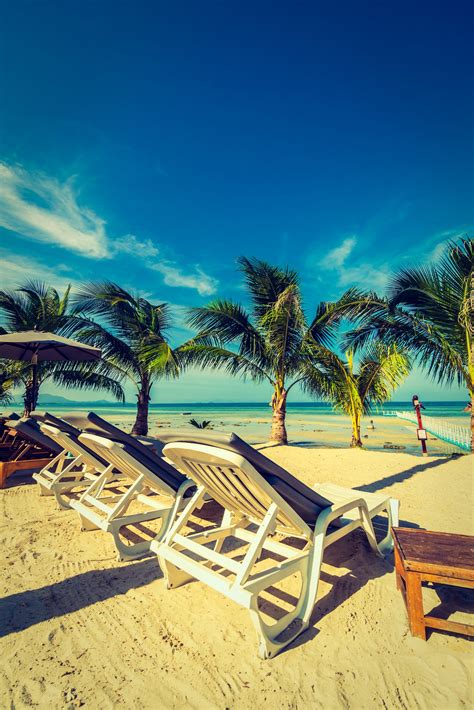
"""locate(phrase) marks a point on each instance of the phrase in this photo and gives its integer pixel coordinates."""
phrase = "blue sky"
(154, 143)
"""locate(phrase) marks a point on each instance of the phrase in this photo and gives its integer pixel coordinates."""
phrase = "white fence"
(451, 433)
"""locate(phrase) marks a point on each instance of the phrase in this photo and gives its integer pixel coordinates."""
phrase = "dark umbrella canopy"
(35, 346)
(46, 346)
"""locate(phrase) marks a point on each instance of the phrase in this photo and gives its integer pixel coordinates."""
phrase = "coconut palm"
(428, 311)
(36, 306)
(270, 343)
(9, 379)
(380, 370)
(131, 334)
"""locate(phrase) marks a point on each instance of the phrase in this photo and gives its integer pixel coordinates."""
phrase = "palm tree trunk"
(356, 440)
(278, 432)
(472, 422)
(30, 398)
(140, 428)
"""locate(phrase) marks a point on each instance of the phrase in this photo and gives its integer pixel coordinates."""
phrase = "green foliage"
(41, 307)
(130, 331)
(271, 342)
(205, 424)
(380, 371)
(428, 311)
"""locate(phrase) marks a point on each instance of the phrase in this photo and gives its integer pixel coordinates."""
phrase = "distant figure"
(371, 425)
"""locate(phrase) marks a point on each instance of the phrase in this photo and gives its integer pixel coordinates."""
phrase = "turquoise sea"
(308, 423)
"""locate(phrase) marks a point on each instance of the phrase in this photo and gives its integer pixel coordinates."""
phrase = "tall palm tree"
(380, 371)
(36, 306)
(429, 311)
(131, 333)
(271, 343)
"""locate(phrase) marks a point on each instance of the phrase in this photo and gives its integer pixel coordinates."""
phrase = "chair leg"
(174, 576)
(386, 545)
(269, 643)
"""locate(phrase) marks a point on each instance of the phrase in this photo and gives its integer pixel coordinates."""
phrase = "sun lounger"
(154, 486)
(24, 448)
(257, 493)
(4, 429)
(75, 468)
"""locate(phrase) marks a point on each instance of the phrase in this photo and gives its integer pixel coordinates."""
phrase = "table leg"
(416, 616)
(398, 569)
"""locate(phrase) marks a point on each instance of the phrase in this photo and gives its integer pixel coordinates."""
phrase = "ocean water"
(308, 423)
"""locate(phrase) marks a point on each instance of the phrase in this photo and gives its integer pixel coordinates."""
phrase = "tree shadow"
(24, 609)
(401, 476)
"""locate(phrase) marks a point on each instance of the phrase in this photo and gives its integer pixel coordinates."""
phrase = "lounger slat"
(207, 553)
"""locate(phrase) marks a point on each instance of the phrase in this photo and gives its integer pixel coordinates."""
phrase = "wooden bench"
(425, 556)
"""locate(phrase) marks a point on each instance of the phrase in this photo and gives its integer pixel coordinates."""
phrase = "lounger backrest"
(236, 484)
(136, 461)
(30, 430)
(93, 424)
(57, 422)
(10, 416)
(75, 447)
(306, 502)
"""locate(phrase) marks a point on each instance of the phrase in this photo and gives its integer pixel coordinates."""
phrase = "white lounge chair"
(255, 491)
(165, 489)
(75, 468)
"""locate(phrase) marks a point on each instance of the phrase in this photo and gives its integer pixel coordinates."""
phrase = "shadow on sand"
(401, 476)
(25, 609)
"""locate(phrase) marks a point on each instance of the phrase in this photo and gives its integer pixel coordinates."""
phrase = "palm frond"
(381, 370)
(204, 354)
(82, 379)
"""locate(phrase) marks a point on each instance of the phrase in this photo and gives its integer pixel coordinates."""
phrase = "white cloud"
(41, 208)
(335, 258)
(363, 275)
(443, 238)
(197, 279)
(130, 244)
(16, 270)
(374, 278)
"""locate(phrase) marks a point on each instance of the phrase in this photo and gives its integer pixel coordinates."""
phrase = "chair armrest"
(327, 515)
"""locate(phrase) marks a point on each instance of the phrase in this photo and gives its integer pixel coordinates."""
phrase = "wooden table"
(425, 556)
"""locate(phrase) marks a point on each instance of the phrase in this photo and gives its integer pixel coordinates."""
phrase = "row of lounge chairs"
(265, 512)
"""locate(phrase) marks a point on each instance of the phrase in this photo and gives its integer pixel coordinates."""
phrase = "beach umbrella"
(35, 346)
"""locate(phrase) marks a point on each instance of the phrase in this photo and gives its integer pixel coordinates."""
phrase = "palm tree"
(429, 312)
(272, 343)
(380, 371)
(9, 379)
(36, 306)
(131, 335)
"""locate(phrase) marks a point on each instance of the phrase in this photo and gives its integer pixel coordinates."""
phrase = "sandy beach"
(80, 629)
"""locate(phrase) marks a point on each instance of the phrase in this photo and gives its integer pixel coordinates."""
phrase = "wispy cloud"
(130, 244)
(197, 279)
(17, 269)
(41, 208)
(38, 207)
(440, 240)
(335, 258)
(362, 274)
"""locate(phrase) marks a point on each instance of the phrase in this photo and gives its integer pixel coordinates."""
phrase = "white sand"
(80, 629)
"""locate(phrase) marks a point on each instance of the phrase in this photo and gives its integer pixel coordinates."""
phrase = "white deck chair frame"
(98, 509)
(75, 467)
(248, 498)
